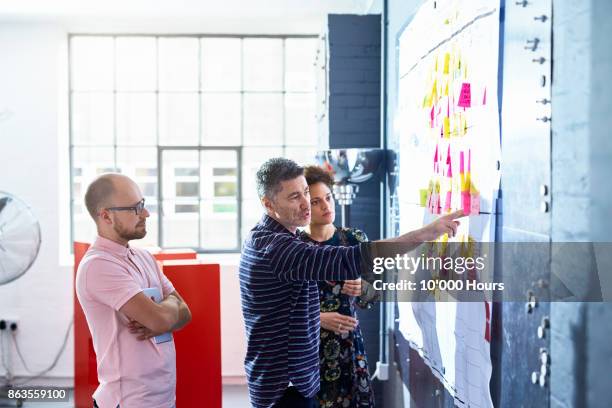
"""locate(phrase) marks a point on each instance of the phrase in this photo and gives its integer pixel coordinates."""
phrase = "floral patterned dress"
(345, 381)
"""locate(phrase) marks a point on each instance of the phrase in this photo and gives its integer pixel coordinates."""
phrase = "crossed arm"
(149, 319)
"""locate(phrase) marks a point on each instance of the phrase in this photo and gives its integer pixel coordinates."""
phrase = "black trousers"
(293, 399)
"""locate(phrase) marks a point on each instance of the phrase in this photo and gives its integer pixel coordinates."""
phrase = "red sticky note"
(487, 323)
(465, 97)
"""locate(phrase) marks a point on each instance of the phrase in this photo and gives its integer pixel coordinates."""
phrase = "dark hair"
(98, 193)
(316, 174)
(272, 172)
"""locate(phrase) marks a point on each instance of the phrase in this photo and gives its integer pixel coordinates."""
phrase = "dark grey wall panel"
(521, 377)
(582, 191)
(354, 80)
(353, 109)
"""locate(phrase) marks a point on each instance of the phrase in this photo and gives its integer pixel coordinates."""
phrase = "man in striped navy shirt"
(280, 296)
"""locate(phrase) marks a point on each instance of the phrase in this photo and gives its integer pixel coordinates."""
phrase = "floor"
(234, 396)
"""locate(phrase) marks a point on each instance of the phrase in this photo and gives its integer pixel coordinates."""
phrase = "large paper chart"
(449, 142)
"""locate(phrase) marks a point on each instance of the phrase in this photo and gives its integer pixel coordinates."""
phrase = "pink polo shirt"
(132, 373)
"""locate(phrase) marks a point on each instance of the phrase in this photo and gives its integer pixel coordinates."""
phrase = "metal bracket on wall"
(532, 45)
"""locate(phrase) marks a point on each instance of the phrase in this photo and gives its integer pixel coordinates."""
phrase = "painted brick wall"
(354, 122)
(354, 80)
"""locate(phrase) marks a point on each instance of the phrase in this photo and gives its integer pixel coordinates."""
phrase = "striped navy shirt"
(280, 303)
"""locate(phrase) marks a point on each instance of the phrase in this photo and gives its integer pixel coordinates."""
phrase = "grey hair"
(273, 172)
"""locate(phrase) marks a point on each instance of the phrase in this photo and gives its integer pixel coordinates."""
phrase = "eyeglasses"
(138, 208)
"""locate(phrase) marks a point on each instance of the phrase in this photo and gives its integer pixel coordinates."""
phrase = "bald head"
(102, 191)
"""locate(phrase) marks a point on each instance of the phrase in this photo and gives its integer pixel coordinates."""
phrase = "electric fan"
(19, 246)
(19, 238)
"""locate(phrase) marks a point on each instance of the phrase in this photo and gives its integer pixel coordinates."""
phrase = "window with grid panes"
(190, 119)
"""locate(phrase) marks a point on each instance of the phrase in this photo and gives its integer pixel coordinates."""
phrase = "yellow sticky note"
(447, 127)
(434, 93)
(423, 197)
(466, 182)
(446, 62)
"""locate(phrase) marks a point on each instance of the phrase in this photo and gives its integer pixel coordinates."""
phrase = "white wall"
(30, 81)
(31, 150)
(34, 161)
(33, 166)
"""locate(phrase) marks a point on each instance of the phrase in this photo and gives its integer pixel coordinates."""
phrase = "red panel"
(198, 345)
(85, 375)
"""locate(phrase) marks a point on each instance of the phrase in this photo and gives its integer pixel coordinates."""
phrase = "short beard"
(129, 235)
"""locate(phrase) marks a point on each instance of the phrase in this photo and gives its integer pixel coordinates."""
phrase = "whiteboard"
(449, 159)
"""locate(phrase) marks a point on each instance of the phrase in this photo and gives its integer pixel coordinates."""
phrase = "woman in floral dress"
(345, 381)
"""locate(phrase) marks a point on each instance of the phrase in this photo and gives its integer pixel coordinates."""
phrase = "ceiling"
(181, 16)
(206, 9)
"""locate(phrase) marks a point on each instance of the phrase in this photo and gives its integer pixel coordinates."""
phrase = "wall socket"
(10, 321)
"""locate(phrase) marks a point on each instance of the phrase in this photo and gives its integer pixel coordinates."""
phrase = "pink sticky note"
(449, 172)
(475, 204)
(484, 97)
(434, 203)
(465, 202)
(431, 116)
(447, 202)
(435, 160)
(465, 97)
(461, 167)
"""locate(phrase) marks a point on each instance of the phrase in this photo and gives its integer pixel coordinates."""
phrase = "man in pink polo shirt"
(134, 368)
